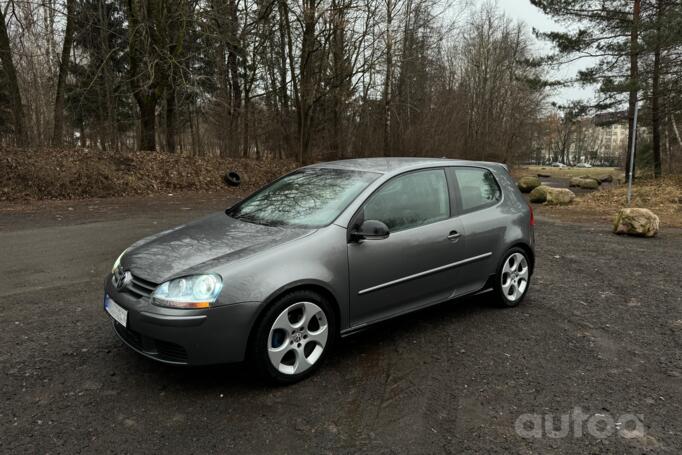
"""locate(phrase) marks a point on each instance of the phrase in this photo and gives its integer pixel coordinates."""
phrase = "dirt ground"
(600, 330)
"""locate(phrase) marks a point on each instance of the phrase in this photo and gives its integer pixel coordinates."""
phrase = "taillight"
(532, 217)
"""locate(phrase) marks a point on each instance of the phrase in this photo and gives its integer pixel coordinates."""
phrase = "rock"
(605, 178)
(527, 184)
(539, 194)
(636, 221)
(589, 177)
(544, 176)
(587, 183)
(560, 196)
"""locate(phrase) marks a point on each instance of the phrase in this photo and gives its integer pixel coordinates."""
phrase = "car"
(583, 165)
(319, 254)
(559, 165)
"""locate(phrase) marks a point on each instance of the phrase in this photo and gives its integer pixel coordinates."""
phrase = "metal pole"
(632, 154)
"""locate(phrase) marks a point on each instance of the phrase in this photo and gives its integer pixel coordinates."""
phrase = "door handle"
(454, 236)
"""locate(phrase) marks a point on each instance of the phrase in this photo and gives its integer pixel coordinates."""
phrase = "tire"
(513, 277)
(232, 179)
(293, 337)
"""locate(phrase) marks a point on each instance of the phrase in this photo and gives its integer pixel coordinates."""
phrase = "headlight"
(118, 261)
(196, 291)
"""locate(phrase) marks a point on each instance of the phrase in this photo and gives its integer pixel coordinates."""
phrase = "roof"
(609, 118)
(393, 164)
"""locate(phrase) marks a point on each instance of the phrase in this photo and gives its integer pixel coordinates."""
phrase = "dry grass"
(77, 173)
(662, 196)
(566, 173)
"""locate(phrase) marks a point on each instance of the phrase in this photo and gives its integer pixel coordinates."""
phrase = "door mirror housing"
(370, 230)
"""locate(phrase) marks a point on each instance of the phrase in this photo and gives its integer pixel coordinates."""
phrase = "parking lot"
(600, 330)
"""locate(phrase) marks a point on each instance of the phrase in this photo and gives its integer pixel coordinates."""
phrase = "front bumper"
(184, 337)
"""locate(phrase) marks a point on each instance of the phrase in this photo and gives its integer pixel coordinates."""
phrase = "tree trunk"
(233, 61)
(285, 117)
(634, 86)
(12, 84)
(58, 131)
(655, 94)
(677, 132)
(147, 123)
(308, 65)
(387, 79)
(245, 124)
(111, 123)
(170, 118)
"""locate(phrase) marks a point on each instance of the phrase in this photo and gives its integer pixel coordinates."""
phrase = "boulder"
(560, 196)
(588, 184)
(636, 221)
(539, 194)
(605, 178)
(589, 177)
(527, 184)
(583, 182)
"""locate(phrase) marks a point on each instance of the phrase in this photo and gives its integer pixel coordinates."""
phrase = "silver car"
(318, 254)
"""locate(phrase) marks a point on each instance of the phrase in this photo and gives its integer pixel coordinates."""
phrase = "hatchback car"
(322, 252)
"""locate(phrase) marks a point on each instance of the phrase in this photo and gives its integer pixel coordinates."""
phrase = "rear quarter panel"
(515, 210)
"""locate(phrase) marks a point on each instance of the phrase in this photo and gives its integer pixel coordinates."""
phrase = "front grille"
(137, 287)
(163, 350)
(140, 287)
(171, 351)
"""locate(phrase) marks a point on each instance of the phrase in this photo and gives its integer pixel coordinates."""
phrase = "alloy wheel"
(297, 338)
(514, 277)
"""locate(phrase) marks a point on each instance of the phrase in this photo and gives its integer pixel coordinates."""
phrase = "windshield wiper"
(255, 220)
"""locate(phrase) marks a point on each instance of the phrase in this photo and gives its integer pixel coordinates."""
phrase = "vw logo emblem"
(122, 279)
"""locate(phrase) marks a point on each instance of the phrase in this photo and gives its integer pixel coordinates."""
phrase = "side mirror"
(370, 230)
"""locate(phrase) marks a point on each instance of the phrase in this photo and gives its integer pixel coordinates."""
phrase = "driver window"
(410, 200)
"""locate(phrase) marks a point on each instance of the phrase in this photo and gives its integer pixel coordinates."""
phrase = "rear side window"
(410, 200)
(477, 188)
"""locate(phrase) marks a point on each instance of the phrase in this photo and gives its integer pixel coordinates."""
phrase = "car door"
(413, 267)
(478, 198)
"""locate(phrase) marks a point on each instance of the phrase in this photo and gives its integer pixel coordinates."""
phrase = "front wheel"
(513, 277)
(293, 337)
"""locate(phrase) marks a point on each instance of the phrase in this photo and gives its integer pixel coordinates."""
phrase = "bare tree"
(11, 76)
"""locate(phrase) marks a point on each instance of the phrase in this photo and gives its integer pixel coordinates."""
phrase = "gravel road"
(600, 331)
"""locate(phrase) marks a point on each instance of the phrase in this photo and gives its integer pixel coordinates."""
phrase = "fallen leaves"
(82, 173)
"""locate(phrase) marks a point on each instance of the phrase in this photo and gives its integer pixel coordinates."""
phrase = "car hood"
(202, 244)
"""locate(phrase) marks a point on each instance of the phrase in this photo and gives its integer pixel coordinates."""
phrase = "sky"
(523, 11)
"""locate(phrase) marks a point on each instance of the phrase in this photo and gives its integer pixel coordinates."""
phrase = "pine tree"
(609, 33)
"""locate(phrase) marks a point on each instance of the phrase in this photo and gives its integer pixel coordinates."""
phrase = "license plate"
(116, 311)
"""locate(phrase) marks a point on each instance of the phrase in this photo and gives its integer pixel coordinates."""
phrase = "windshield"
(309, 197)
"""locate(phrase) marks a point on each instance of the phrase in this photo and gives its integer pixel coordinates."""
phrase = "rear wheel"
(513, 277)
(294, 337)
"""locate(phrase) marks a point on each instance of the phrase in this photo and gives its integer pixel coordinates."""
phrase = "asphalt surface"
(600, 330)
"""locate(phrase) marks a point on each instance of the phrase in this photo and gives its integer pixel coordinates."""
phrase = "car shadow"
(239, 376)
(432, 317)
